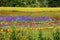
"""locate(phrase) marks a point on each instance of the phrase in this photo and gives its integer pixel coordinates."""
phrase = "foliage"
(54, 3)
(30, 3)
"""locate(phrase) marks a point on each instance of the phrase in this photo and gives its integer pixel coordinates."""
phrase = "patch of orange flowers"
(36, 28)
(1, 30)
(25, 28)
(6, 30)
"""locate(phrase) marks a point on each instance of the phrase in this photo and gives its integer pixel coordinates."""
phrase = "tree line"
(30, 3)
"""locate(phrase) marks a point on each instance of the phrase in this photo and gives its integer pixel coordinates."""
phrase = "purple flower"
(42, 18)
(8, 18)
(26, 18)
(45, 18)
(23, 18)
(2, 18)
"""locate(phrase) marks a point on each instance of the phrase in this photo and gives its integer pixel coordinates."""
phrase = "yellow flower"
(42, 28)
(15, 22)
(36, 28)
(50, 27)
(25, 28)
(57, 27)
(39, 28)
(2, 22)
(17, 30)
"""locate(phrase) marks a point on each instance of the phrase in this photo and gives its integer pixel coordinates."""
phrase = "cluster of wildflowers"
(25, 20)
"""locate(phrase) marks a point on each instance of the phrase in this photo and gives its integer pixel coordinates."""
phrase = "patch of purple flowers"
(25, 18)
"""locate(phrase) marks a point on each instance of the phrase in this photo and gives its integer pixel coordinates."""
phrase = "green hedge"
(30, 3)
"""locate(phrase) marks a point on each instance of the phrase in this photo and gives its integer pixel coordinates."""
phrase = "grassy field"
(30, 33)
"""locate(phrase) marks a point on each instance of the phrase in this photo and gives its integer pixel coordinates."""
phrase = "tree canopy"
(30, 3)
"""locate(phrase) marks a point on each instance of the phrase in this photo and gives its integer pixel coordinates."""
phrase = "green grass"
(22, 34)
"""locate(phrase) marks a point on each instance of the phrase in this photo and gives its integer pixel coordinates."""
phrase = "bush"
(23, 3)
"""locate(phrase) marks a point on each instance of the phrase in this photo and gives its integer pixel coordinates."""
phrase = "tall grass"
(24, 33)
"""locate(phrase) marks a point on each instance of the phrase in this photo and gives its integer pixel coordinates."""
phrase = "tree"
(54, 3)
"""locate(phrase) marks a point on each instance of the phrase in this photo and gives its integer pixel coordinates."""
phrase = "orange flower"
(6, 23)
(31, 28)
(7, 30)
(1, 30)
